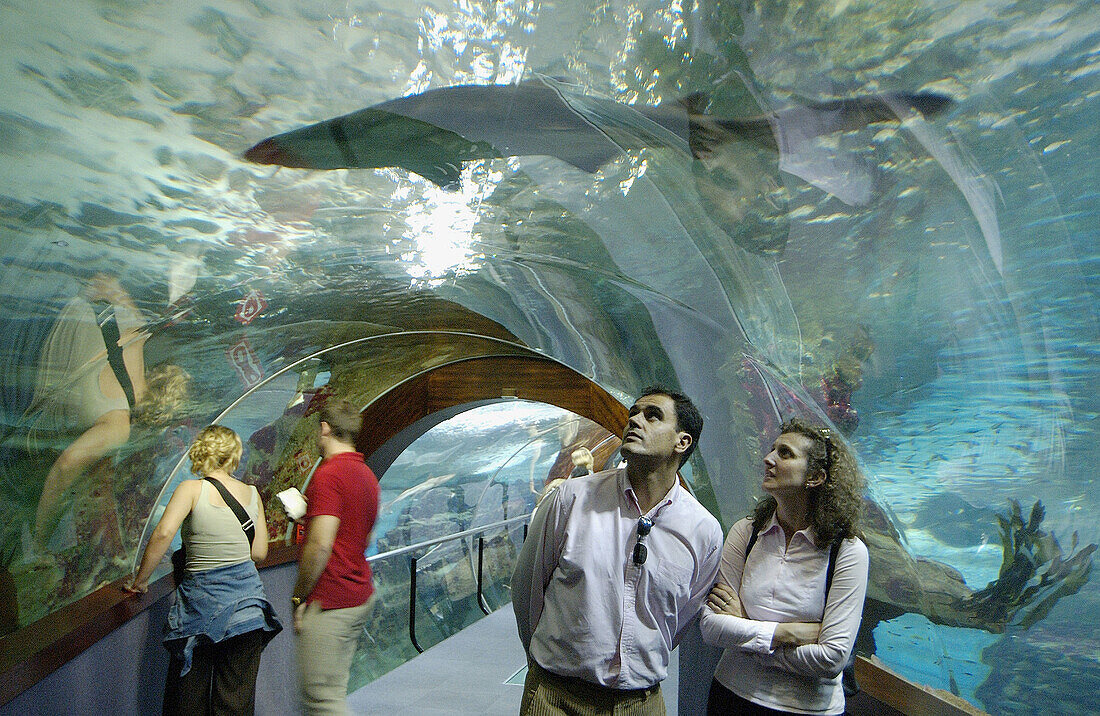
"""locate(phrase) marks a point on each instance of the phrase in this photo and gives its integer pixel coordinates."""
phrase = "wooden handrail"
(908, 697)
(34, 652)
(30, 654)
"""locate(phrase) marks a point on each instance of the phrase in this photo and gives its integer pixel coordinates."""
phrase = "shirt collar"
(631, 499)
(346, 455)
(773, 524)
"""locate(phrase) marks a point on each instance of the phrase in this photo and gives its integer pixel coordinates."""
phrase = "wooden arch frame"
(486, 379)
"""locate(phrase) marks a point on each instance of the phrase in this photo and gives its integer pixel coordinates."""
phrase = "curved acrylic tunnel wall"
(882, 215)
(485, 466)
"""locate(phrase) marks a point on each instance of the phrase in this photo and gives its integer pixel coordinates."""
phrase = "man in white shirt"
(615, 565)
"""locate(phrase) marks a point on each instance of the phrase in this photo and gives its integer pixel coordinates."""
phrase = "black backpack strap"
(833, 551)
(751, 542)
(748, 548)
(848, 680)
(109, 329)
(246, 522)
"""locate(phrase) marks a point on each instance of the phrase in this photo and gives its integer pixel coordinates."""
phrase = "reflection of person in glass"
(78, 393)
(582, 465)
(788, 613)
(221, 619)
(583, 462)
(615, 566)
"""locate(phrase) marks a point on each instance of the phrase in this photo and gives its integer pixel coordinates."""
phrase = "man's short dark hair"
(343, 420)
(688, 417)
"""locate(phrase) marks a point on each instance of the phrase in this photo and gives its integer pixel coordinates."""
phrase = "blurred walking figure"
(582, 465)
(332, 598)
(583, 462)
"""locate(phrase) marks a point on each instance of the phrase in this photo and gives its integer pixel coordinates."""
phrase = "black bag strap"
(848, 678)
(748, 548)
(109, 329)
(246, 522)
(833, 551)
(752, 541)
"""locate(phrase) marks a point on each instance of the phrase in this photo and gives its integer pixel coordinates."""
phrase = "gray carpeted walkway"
(465, 674)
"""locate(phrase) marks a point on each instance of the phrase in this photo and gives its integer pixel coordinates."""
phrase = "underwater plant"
(1014, 597)
(1035, 575)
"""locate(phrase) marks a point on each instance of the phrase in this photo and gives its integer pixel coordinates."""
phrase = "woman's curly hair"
(836, 505)
(166, 390)
(216, 446)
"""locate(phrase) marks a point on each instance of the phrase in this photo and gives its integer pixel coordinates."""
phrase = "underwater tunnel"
(490, 225)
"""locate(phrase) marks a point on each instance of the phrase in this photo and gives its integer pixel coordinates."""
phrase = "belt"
(581, 686)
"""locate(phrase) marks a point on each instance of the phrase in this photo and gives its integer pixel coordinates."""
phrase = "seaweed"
(1021, 596)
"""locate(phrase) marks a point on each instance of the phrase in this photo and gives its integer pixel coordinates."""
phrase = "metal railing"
(479, 530)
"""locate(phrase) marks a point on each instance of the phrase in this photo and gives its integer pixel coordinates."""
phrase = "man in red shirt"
(332, 598)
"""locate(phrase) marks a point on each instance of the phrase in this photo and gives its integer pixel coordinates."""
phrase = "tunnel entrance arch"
(407, 410)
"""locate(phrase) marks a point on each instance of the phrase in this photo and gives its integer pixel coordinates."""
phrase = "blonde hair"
(583, 456)
(216, 446)
(166, 388)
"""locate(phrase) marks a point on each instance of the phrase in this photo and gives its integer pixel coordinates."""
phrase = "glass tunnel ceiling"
(735, 209)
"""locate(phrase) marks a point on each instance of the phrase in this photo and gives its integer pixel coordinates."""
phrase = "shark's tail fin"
(861, 111)
(706, 131)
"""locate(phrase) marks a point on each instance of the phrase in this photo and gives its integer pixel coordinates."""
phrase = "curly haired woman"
(791, 583)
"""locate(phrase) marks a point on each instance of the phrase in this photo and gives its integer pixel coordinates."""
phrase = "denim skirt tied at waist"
(218, 604)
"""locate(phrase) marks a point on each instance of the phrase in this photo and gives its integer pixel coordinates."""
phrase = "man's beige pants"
(326, 646)
(547, 694)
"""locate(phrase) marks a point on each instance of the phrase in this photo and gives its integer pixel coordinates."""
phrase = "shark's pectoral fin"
(591, 161)
(445, 175)
(706, 134)
(340, 140)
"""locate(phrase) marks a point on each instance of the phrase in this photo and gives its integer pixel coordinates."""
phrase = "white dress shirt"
(787, 584)
(583, 608)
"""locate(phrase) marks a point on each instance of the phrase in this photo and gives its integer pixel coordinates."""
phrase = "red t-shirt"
(343, 486)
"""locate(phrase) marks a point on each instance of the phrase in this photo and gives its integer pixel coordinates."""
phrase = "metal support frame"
(480, 560)
(482, 602)
(412, 605)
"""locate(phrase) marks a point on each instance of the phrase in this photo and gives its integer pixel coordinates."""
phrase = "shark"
(736, 160)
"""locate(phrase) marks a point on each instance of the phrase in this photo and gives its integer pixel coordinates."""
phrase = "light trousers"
(547, 694)
(326, 645)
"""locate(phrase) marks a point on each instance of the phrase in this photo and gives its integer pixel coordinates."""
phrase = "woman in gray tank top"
(221, 619)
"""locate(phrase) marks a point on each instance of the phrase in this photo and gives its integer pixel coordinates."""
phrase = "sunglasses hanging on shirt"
(640, 551)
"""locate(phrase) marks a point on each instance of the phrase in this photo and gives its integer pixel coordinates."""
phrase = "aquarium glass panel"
(880, 216)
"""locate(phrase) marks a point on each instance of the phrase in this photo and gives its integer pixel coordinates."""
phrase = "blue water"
(938, 276)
